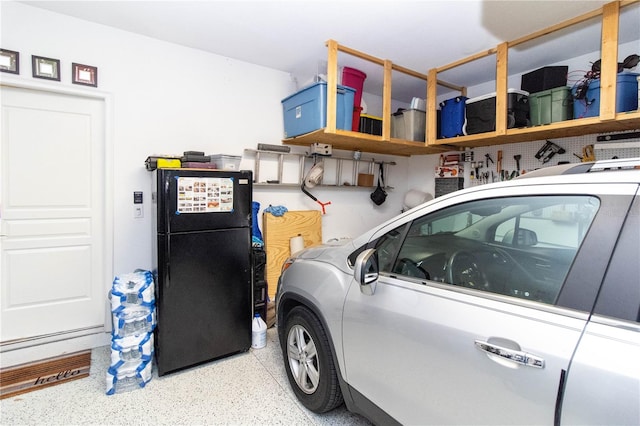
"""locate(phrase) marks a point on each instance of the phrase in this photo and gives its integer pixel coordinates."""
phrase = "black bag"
(379, 195)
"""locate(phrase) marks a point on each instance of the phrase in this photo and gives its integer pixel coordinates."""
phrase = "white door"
(53, 214)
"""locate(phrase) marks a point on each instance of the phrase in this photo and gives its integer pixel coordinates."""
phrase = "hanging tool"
(488, 158)
(478, 167)
(588, 154)
(548, 150)
(499, 165)
(517, 158)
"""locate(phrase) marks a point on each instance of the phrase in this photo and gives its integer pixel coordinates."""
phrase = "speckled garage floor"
(245, 389)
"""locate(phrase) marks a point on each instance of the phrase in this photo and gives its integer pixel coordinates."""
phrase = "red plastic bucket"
(354, 78)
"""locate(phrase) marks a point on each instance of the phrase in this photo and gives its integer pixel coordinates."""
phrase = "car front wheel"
(309, 362)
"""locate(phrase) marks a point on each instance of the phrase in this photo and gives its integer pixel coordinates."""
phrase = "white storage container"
(226, 162)
(409, 124)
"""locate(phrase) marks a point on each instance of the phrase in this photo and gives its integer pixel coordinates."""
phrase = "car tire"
(309, 362)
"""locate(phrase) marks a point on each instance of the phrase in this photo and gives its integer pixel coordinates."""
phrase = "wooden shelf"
(354, 141)
(561, 129)
(607, 121)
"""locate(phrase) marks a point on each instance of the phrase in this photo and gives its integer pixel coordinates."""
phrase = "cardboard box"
(365, 179)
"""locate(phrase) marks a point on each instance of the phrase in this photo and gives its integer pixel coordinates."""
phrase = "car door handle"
(516, 356)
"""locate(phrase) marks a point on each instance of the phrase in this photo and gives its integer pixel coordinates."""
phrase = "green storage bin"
(550, 106)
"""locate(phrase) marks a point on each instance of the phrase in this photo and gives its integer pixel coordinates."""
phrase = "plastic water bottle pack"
(134, 321)
(128, 377)
(133, 314)
(135, 289)
(131, 349)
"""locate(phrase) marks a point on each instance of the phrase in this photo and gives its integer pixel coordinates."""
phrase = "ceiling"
(290, 35)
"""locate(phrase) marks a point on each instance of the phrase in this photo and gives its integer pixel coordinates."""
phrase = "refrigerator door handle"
(167, 282)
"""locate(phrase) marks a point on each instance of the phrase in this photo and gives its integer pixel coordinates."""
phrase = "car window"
(387, 247)
(519, 246)
(554, 226)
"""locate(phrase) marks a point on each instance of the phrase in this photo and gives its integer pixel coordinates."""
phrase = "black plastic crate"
(544, 78)
(445, 186)
(481, 112)
(370, 124)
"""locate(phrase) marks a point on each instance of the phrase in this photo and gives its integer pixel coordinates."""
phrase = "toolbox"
(626, 96)
(154, 162)
(452, 113)
(306, 110)
(550, 106)
(544, 78)
(481, 112)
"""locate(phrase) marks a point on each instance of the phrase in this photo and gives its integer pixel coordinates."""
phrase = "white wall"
(168, 99)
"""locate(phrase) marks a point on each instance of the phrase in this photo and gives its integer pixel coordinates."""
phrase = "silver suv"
(509, 303)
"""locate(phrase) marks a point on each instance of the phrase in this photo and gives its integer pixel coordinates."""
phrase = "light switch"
(138, 213)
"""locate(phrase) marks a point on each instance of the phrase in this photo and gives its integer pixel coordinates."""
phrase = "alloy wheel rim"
(303, 359)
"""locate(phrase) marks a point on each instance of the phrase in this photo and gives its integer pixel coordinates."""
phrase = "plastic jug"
(258, 332)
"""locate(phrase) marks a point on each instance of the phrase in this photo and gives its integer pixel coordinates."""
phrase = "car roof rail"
(615, 164)
(579, 168)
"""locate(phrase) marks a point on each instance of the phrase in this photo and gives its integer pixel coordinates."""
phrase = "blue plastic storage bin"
(306, 110)
(626, 96)
(452, 117)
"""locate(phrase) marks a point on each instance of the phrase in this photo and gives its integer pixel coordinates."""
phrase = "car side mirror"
(527, 238)
(366, 271)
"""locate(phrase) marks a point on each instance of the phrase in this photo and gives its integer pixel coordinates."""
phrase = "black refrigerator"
(202, 231)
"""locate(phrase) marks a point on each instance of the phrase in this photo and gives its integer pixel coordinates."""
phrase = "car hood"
(333, 251)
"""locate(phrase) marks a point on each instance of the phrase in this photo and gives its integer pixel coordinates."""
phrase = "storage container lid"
(493, 95)
(311, 86)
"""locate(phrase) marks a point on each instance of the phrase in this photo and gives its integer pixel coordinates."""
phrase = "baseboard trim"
(12, 354)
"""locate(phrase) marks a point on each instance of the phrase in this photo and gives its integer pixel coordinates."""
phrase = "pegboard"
(614, 149)
(573, 147)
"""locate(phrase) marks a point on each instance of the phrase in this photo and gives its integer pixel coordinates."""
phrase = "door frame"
(39, 347)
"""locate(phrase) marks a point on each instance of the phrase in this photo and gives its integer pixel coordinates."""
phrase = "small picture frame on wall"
(46, 68)
(84, 74)
(9, 61)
